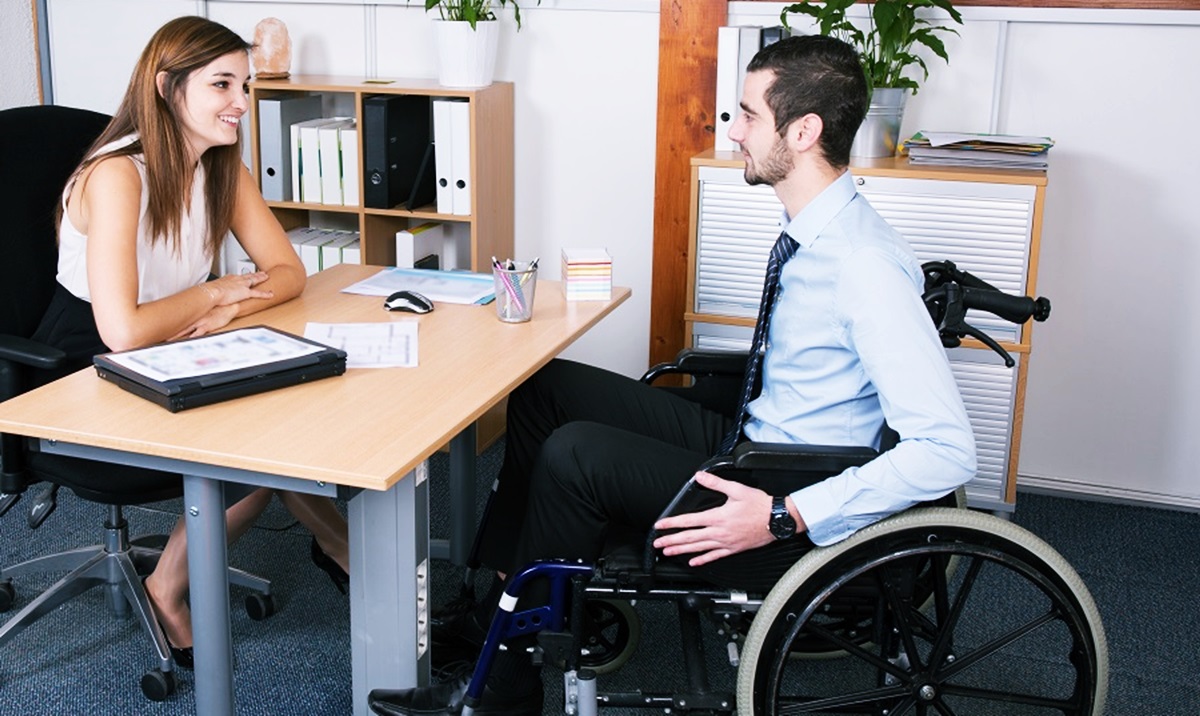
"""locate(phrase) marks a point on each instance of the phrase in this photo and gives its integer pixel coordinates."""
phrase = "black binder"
(396, 132)
(195, 391)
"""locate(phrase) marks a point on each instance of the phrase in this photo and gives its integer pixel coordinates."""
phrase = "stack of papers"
(587, 274)
(1001, 151)
(443, 286)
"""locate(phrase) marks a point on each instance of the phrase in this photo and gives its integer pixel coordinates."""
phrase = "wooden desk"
(370, 429)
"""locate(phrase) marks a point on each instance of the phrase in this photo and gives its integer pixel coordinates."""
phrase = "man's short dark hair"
(819, 75)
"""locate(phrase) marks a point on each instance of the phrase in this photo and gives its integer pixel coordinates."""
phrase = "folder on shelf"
(416, 243)
(276, 115)
(424, 190)
(311, 243)
(350, 170)
(332, 251)
(330, 137)
(200, 371)
(306, 141)
(442, 159)
(396, 134)
(352, 252)
(736, 46)
(460, 153)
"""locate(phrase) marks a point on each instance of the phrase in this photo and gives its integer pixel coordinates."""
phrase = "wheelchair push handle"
(1017, 309)
(951, 292)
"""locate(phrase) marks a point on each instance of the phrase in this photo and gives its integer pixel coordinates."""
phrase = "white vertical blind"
(982, 228)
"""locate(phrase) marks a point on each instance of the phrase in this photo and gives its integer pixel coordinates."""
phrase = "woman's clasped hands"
(226, 293)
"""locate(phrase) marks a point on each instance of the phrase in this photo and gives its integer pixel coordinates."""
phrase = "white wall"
(584, 138)
(1111, 400)
(18, 61)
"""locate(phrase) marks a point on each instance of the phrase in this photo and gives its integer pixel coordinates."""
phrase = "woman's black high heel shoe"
(337, 575)
(182, 656)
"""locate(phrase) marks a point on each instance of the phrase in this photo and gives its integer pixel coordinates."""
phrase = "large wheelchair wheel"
(1011, 631)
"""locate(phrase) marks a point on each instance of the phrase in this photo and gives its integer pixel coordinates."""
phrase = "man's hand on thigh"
(736, 526)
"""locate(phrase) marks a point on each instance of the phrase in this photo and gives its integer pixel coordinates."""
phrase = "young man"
(848, 344)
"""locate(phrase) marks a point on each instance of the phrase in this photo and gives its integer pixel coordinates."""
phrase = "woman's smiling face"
(213, 102)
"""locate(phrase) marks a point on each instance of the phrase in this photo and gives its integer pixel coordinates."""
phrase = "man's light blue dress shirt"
(851, 344)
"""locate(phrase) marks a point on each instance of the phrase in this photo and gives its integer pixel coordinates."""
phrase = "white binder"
(331, 159)
(442, 155)
(306, 141)
(460, 152)
(736, 46)
(351, 193)
(275, 117)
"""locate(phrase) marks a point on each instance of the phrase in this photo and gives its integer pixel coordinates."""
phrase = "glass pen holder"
(516, 282)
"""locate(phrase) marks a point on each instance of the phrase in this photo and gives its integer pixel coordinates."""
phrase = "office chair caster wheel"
(259, 606)
(611, 635)
(8, 595)
(158, 685)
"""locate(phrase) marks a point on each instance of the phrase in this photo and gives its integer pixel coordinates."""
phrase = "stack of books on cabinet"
(587, 274)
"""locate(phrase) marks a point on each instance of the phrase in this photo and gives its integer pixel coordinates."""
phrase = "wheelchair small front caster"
(158, 685)
(8, 595)
(611, 635)
(259, 606)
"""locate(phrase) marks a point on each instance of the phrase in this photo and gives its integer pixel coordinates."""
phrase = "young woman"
(142, 219)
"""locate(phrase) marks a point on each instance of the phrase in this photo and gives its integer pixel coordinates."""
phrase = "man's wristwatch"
(782, 525)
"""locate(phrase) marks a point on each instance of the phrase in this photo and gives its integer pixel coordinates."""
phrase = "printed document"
(370, 345)
(445, 286)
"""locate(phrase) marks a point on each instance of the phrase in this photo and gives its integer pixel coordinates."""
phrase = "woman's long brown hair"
(178, 48)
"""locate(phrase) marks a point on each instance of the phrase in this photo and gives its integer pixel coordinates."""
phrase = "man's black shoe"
(446, 699)
(456, 639)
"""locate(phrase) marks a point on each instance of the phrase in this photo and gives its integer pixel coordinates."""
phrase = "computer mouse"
(409, 301)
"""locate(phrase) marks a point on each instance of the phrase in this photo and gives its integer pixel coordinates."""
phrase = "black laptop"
(222, 366)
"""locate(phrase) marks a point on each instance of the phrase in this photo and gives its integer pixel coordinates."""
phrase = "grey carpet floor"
(1139, 562)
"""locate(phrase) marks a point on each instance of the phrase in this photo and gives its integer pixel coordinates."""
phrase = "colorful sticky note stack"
(587, 274)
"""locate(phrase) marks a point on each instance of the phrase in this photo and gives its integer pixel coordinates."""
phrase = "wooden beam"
(687, 72)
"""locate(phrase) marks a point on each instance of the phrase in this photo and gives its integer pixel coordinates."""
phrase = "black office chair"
(39, 147)
(893, 620)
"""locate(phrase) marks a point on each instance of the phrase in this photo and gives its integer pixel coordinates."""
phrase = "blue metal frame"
(507, 624)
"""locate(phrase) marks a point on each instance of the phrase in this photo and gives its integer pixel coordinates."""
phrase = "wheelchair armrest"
(691, 361)
(30, 353)
(830, 459)
(774, 467)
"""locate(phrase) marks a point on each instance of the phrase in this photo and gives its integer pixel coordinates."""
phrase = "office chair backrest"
(39, 147)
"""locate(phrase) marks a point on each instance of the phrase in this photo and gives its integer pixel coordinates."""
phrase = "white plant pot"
(879, 134)
(466, 57)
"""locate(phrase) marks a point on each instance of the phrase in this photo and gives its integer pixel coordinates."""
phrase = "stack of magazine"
(1001, 151)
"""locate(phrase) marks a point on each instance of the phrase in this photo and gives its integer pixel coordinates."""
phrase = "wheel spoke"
(901, 611)
(982, 652)
(943, 643)
(844, 701)
(858, 651)
(971, 692)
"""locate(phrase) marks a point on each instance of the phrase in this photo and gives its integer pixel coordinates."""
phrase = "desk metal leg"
(204, 512)
(462, 494)
(389, 587)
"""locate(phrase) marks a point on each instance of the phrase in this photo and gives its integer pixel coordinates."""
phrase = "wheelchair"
(935, 610)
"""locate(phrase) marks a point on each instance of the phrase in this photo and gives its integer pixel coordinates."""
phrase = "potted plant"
(887, 49)
(467, 36)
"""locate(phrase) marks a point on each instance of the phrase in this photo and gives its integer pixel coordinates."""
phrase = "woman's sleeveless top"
(161, 271)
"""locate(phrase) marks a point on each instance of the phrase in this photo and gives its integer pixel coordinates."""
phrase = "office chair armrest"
(30, 353)
(691, 361)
